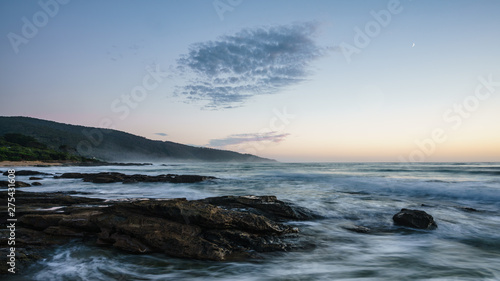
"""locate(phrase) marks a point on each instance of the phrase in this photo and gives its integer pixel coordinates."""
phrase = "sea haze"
(464, 199)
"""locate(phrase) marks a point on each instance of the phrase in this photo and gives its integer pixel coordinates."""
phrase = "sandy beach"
(30, 163)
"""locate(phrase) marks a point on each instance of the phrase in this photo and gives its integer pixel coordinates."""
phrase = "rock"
(415, 219)
(26, 173)
(468, 209)
(63, 231)
(357, 228)
(181, 228)
(17, 184)
(35, 183)
(129, 244)
(35, 178)
(110, 177)
(268, 206)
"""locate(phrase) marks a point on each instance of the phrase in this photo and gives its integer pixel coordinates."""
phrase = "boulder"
(415, 219)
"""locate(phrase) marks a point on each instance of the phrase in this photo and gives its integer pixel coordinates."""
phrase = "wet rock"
(63, 231)
(357, 228)
(129, 244)
(40, 222)
(415, 219)
(17, 184)
(26, 173)
(35, 183)
(35, 178)
(182, 228)
(468, 209)
(111, 177)
(268, 206)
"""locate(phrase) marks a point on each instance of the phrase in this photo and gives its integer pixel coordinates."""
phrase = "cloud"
(228, 71)
(241, 139)
(161, 134)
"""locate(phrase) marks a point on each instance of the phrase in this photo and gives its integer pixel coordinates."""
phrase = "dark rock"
(17, 184)
(63, 231)
(110, 177)
(415, 219)
(70, 176)
(176, 227)
(468, 209)
(35, 179)
(268, 206)
(35, 183)
(40, 222)
(129, 244)
(357, 228)
(26, 173)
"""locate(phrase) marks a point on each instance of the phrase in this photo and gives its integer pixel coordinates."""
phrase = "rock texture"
(268, 206)
(110, 177)
(198, 229)
(415, 219)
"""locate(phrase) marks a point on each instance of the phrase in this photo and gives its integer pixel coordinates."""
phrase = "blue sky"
(290, 80)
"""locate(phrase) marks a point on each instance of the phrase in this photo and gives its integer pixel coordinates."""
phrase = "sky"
(296, 81)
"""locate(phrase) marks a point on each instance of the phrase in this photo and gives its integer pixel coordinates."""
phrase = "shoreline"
(38, 163)
(33, 163)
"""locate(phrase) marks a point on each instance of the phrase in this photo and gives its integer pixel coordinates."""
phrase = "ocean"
(463, 198)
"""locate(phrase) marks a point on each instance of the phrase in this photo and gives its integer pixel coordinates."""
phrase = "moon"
(413, 45)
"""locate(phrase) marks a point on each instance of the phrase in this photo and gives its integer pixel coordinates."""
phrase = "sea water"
(463, 198)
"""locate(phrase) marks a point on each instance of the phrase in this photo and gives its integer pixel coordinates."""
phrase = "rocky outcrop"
(182, 228)
(415, 219)
(110, 177)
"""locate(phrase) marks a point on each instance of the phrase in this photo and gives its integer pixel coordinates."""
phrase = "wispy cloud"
(240, 139)
(161, 134)
(228, 71)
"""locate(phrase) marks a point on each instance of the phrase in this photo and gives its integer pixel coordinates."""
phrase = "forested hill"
(113, 145)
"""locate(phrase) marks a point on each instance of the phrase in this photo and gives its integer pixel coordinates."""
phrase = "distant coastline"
(34, 163)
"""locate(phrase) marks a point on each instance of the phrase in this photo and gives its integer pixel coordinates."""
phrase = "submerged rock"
(17, 184)
(110, 177)
(181, 228)
(415, 219)
(357, 228)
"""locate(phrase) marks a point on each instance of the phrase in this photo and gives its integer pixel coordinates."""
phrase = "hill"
(113, 145)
